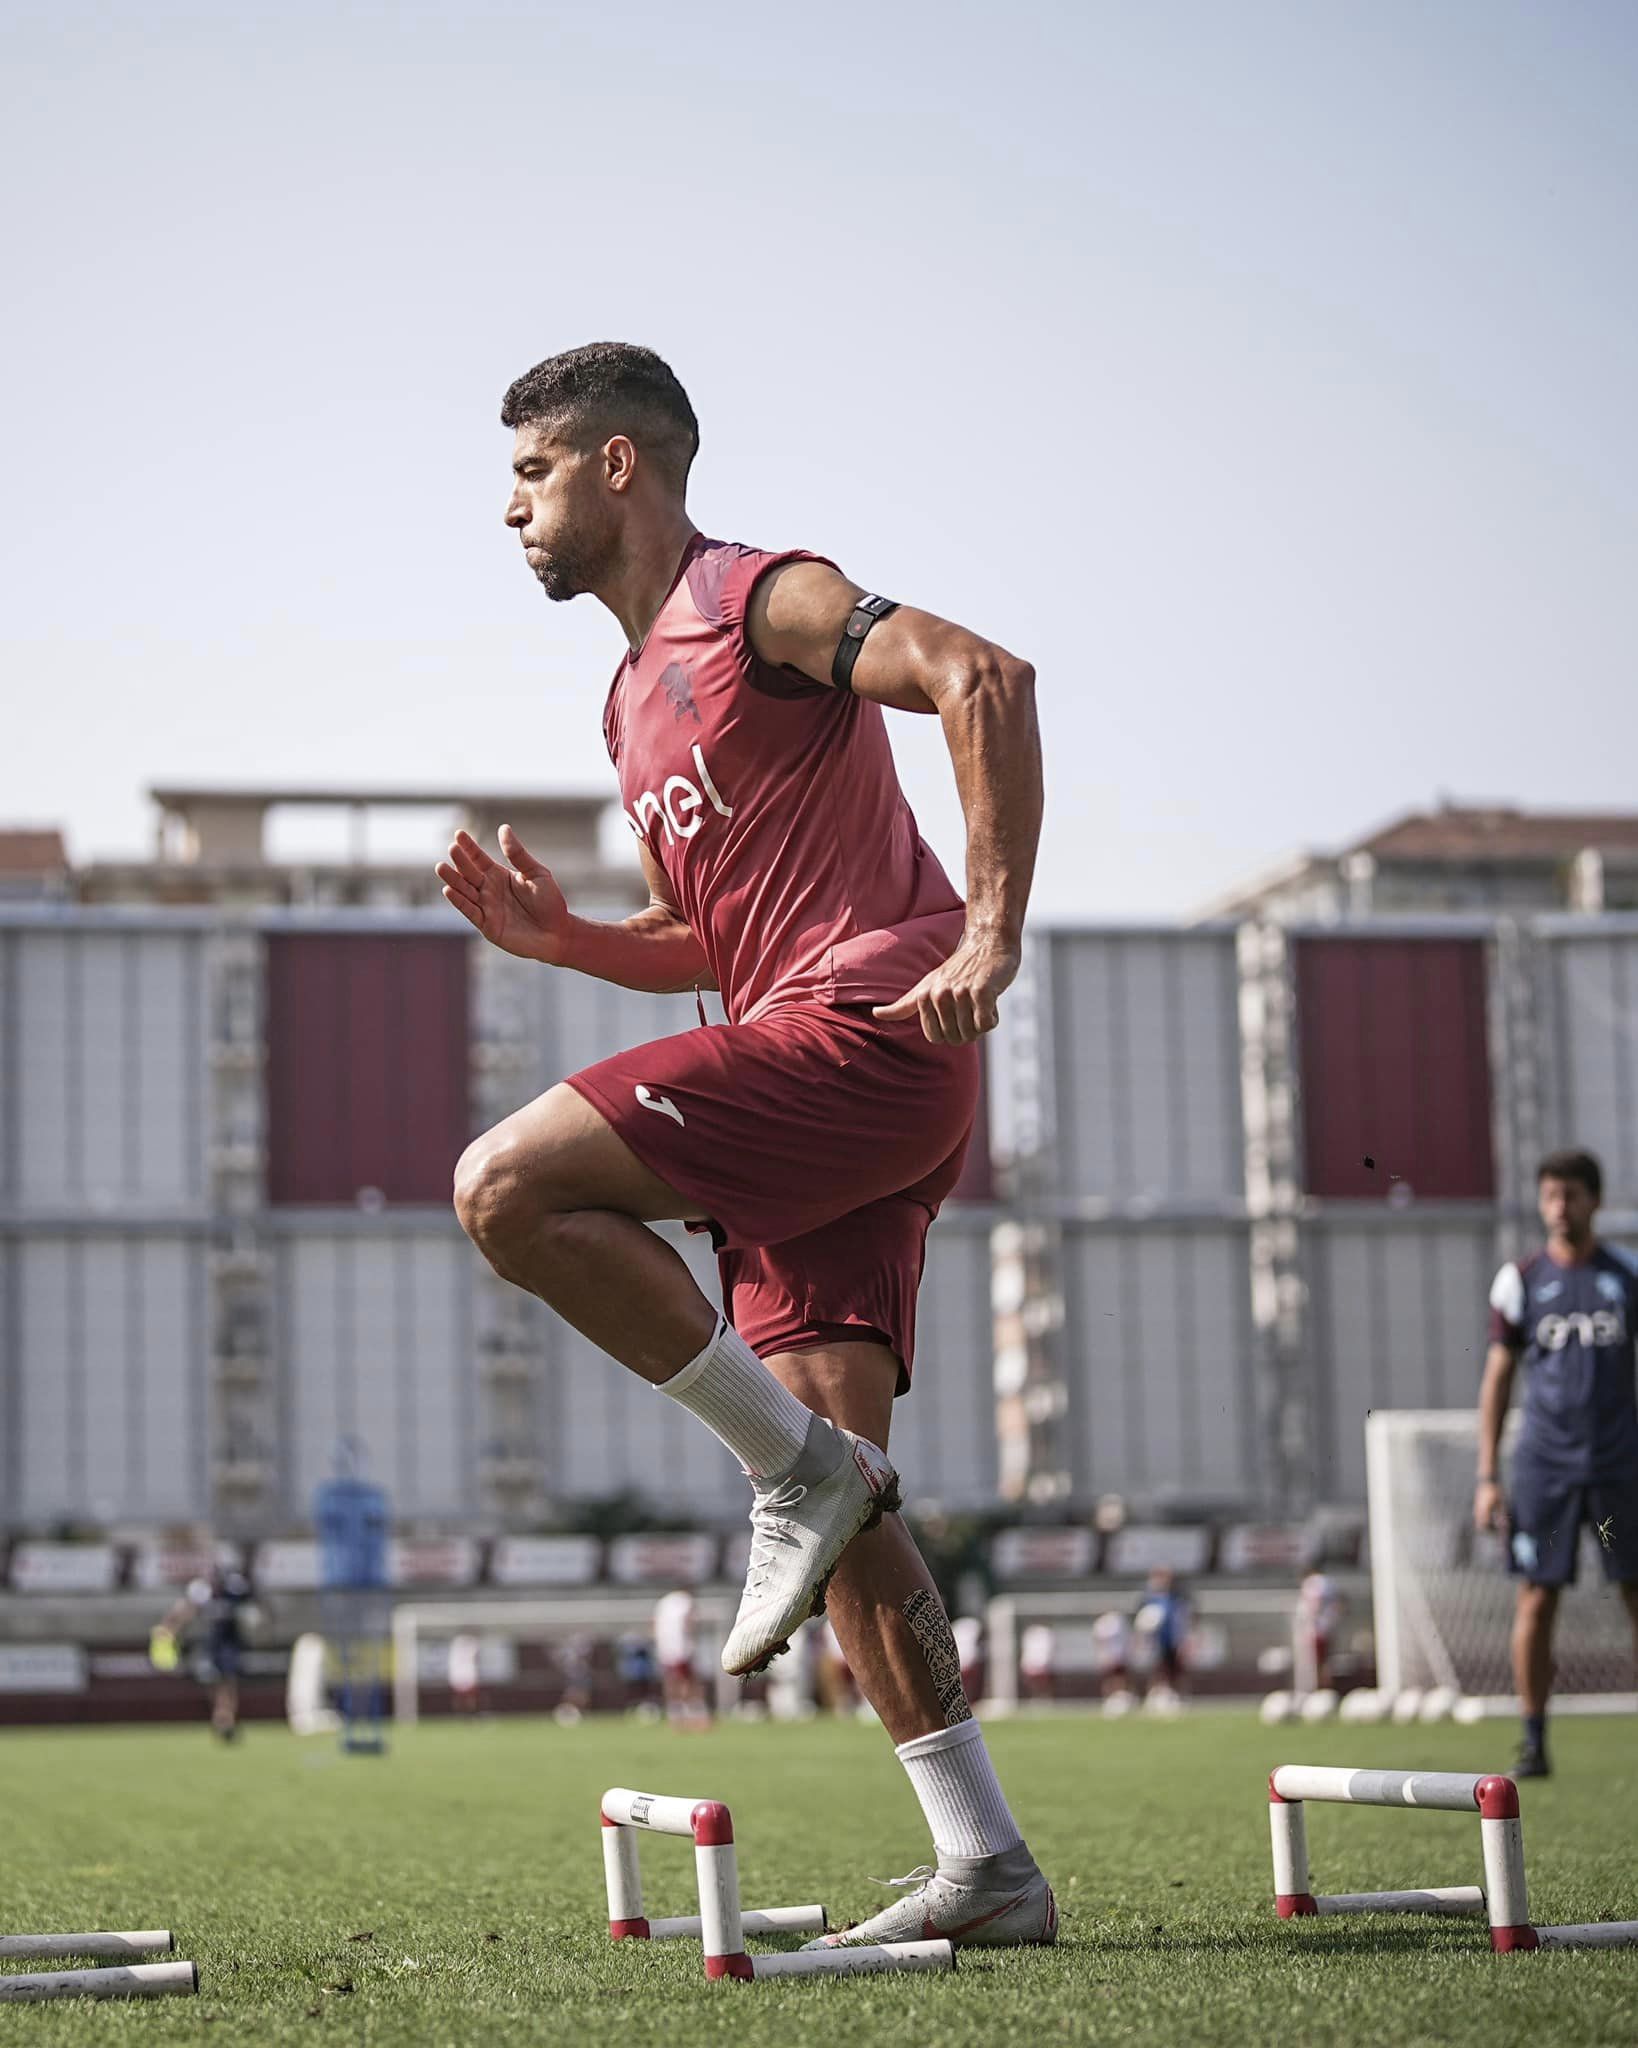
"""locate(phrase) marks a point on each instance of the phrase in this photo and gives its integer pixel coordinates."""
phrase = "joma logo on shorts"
(1603, 1326)
(680, 805)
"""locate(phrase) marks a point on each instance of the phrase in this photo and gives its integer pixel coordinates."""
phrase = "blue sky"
(1265, 373)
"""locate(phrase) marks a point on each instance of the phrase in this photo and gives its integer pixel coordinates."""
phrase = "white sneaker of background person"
(801, 1522)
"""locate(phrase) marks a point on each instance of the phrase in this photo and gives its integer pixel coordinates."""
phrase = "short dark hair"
(1573, 1165)
(610, 387)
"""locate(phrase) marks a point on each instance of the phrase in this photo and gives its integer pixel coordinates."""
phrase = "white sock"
(951, 1774)
(734, 1395)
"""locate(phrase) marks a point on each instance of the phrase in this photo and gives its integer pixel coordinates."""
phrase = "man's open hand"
(518, 907)
(957, 1001)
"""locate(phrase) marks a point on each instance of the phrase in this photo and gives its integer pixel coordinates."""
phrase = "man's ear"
(619, 463)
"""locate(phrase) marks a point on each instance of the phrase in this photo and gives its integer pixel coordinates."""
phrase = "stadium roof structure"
(181, 796)
(1499, 832)
(29, 850)
(223, 824)
(1405, 859)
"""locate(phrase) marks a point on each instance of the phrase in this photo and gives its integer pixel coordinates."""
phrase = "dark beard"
(559, 580)
(574, 567)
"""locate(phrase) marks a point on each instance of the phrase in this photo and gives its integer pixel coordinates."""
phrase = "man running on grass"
(817, 1132)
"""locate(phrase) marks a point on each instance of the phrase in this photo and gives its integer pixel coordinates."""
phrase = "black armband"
(864, 615)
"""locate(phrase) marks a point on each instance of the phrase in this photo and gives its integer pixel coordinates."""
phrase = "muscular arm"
(984, 698)
(1495, 1393)
(654, 950)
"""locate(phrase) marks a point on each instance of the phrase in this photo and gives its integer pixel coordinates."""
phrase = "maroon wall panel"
(1395, 1067)
(366, 1066)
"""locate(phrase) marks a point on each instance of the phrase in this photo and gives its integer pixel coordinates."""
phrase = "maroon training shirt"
(773, 805)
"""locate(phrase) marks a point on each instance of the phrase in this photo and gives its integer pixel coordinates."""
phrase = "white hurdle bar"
(135, 1980)
(19, 1948)
(1495, 1800)
(721, 1925)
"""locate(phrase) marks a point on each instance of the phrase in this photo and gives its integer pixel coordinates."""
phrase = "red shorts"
(817, 1145)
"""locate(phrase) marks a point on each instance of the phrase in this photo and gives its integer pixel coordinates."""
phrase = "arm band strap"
(864, 615)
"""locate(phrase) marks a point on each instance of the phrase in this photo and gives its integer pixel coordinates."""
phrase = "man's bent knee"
(495, 1191)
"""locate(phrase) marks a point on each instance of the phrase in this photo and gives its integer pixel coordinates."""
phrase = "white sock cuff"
(940, 1740)
(681, 1380)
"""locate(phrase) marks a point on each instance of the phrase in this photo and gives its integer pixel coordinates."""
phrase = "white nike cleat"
(801, 1523)
(974, 1901)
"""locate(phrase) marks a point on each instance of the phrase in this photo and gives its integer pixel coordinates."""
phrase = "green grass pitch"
(452, 1891)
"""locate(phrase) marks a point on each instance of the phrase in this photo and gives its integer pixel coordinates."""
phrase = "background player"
(1314, 1625)
(213, 1616)
(785, 868)
(1571, 1313)
(1163, 1620)
(674, 1650)
(465, 1673)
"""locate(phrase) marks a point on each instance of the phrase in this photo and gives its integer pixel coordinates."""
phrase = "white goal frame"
(1413, 1646)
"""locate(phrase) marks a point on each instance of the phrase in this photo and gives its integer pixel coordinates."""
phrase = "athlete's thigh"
(778, 1127)
(571, 1157)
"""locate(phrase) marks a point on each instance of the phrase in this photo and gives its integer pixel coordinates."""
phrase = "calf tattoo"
(930, 1628)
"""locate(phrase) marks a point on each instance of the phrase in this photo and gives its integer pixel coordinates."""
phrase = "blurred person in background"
(1038, 1662)
(1163, 1619)
(968, 1632)
(833, 1683)
(1569, 1313)
(675, 1647)
(464, 1655)
(212, 1621)
(1112, 1654)
(1319, 1612)
(573, 1658)
(638, 1665)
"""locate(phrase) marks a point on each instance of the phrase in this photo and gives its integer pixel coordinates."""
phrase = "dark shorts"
(1545, 1517)
(819, 1145)
(220, 1657)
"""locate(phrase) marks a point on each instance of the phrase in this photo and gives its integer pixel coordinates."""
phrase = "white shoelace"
(923, 1873)
(768, 1532)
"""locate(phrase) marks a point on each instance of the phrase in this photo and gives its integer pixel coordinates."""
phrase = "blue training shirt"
(1575, 1328)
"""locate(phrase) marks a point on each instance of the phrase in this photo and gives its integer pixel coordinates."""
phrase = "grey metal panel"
(375, 1344)
(1146, 1066)
(1157, 1353)
(109, 1072)
(565, 1021)
(1590, 1046)
(10, 1064)
(614, 1433)
(11, 1380)
(944, 1429)
(106, 1388)
(1395, 1319)
(593, 1019)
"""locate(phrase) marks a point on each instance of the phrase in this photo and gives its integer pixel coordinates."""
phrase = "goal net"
(1440, 1588)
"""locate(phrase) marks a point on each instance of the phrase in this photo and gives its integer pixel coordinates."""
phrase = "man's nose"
(517, 512)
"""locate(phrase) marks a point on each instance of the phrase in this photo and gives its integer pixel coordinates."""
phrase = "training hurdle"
(1494, 1799)
(137, 1980)
(720, 1924)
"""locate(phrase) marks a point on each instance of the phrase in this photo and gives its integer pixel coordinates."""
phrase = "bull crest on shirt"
(678, 685)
